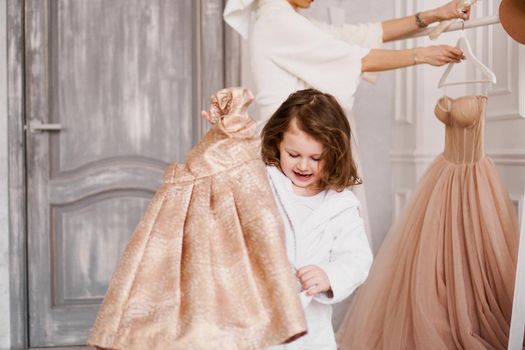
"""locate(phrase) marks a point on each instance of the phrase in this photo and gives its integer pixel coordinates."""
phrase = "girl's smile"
(300, 158)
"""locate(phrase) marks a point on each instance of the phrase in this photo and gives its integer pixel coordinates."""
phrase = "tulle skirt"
(444, 276)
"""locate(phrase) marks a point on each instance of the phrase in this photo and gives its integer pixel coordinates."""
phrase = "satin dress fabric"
(207, 267)
(444, 276)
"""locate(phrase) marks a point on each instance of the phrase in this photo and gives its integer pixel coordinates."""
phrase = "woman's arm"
(380, 60)
(396, 28)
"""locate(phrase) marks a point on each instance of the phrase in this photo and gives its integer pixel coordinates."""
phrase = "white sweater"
(289, 52)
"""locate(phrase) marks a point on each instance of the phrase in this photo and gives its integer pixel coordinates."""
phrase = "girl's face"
(300, 4)
(300, 158)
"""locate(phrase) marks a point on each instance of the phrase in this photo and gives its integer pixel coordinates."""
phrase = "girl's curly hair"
(320, 116)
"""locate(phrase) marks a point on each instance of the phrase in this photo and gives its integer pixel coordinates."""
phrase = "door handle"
(36, 125)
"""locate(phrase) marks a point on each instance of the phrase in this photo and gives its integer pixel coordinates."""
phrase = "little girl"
(306, 147)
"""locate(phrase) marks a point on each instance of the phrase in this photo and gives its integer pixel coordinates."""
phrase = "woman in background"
(289, 52)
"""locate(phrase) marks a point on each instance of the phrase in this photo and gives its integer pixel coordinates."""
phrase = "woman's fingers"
(440, 55)
(455, 51)
(450, 11)
(444, 54)
(456, 55)
(466, 14)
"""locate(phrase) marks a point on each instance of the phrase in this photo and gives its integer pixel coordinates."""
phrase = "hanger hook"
(462, 25)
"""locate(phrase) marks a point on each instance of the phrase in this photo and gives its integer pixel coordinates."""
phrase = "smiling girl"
(306, 146)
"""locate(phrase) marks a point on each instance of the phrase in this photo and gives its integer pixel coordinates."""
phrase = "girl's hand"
(313, 279)
(438, 55)
(450, 11)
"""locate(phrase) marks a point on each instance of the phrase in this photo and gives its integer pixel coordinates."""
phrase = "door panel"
(82, 278)
(122, 78)
(126, 66)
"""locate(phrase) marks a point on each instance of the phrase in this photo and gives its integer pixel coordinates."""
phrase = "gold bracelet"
(419, 22)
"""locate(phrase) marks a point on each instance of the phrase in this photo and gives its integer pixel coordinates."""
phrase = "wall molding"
(17, 175)
(500, 157)
(521, 80)
(507, 58)
(401, 197)
(506, 89)
(512, 107)
(411, 157)
(505, 116)
(485, 41)
(517, 202)
(508, 157)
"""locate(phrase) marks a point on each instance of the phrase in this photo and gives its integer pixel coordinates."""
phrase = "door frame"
(17, 175)
(209, 24)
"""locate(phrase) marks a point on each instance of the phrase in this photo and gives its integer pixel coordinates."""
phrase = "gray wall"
(4, 228)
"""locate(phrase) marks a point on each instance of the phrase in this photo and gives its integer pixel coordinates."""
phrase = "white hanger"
(464, 45)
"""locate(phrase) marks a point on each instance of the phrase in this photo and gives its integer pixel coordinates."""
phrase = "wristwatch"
(419, 22)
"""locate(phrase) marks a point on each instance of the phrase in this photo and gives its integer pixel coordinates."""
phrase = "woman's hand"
(313, 279)
(438, 55)
(379, 60)
(450, 11)
(397, 28)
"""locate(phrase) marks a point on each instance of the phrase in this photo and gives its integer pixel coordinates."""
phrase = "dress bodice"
(464, 121)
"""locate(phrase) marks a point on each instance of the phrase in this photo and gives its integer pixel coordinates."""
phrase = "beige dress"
(207, 267)
(444, 277)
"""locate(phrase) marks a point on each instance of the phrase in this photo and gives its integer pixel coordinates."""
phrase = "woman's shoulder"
(282, 22)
